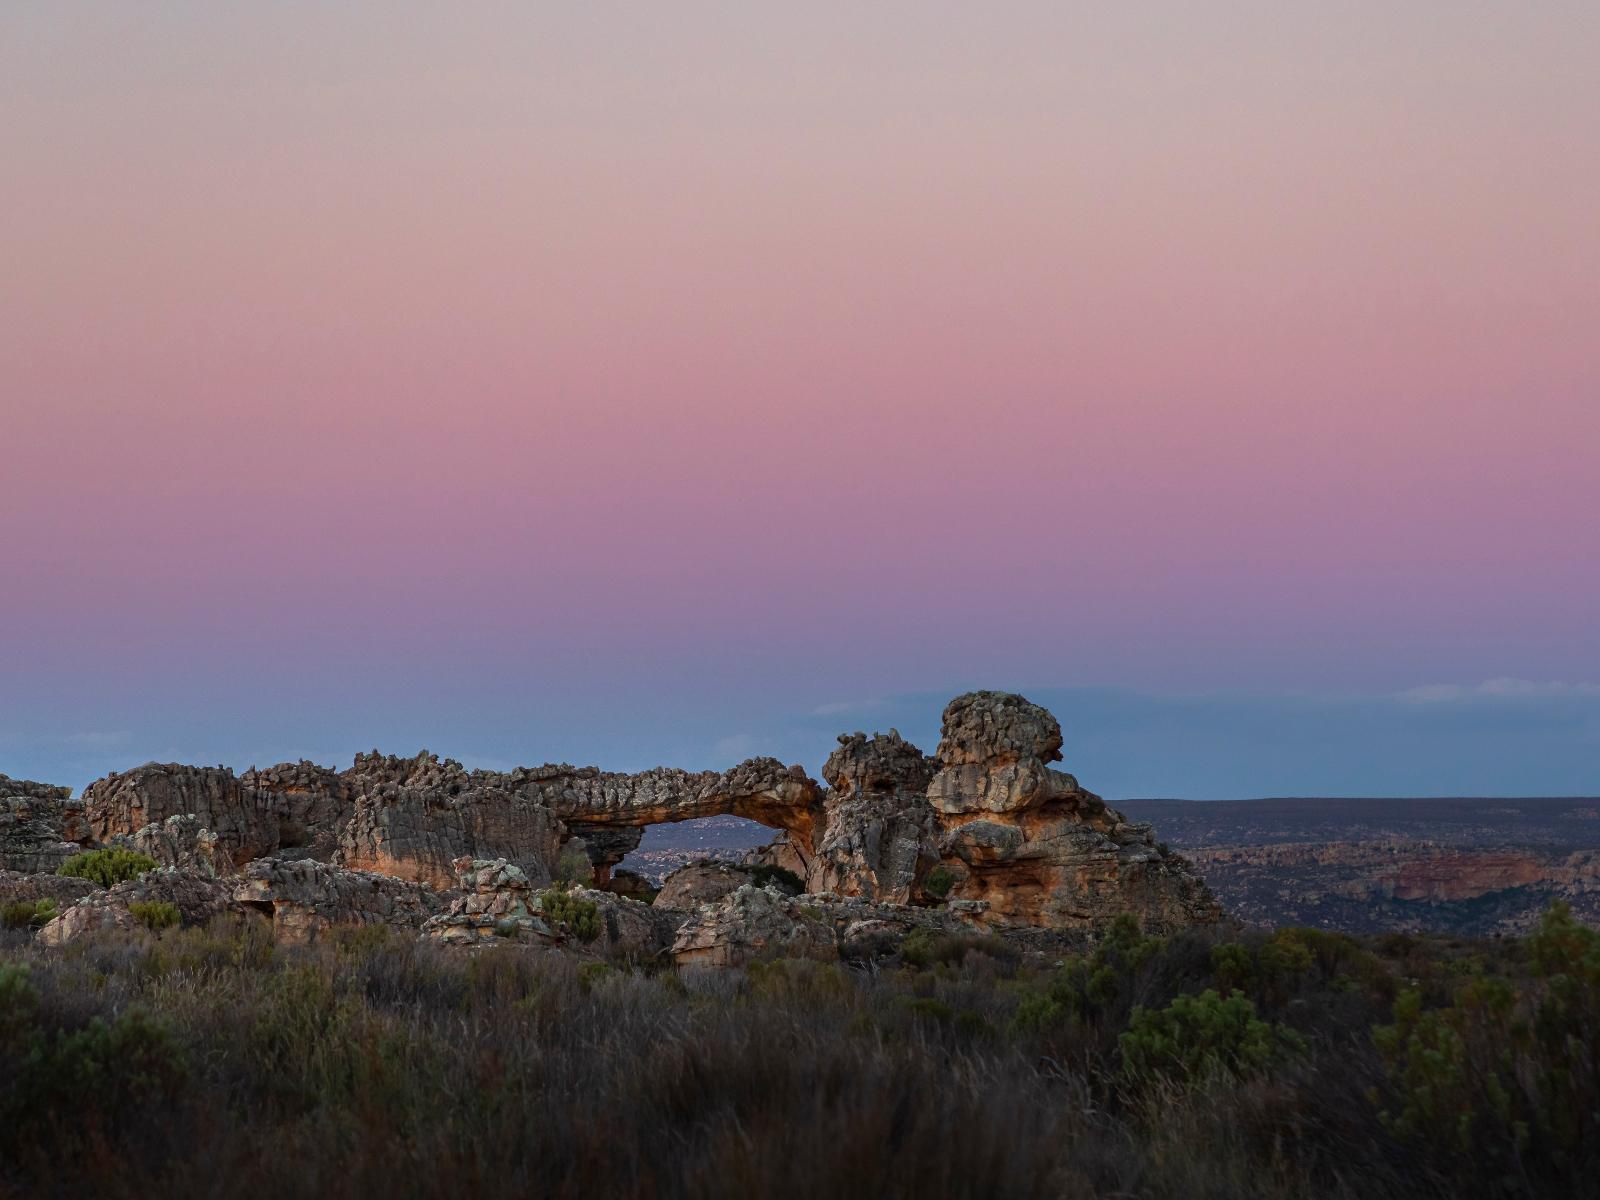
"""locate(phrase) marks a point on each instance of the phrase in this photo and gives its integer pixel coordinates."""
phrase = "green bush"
(578, 917)
(938, 882)
(107, 867)
(1505, 1077)
(154, 914)
(27, 914)
(1090, 987)
(1197, 1036)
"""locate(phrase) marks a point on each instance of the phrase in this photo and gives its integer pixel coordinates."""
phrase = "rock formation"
(1032, 844)
(63, 889)
(750, 923)
(983, 831)
(197, 898)
(703, 882)
(305, 898)
(40, 826)
(754, 922)
(498, 903)
(879, 836)
(183, 843)
(416, 832)
(124, 803)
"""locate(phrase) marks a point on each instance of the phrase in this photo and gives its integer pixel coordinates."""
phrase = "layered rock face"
(306, 898)
(1034, 846)
(182, 843)
(122, 804)
(40, 826)
(415, 824)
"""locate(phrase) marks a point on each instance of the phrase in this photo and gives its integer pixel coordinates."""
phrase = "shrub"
(782, 878)
(925, 948)
(572, 913)
(154, 914)
(938, 882)
(1506, 1078)
(107, 867)
(1202, 1035)
(27, 914)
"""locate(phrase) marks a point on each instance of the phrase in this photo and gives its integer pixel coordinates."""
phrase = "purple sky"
(616, 384)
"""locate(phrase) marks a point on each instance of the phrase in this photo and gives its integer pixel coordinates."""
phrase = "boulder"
(702, 882)
(752, 923)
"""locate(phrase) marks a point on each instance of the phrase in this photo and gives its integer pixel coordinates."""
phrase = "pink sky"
(849, 350)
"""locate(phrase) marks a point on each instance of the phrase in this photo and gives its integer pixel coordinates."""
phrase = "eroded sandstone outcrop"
(305, 898)
(121, 804)
(63, 889)
(703, 882)
(984, 827)
(197, 899)
(879, 837)
(1032, 844)
(182, 843)
(750, 923)
(415, 828)
(499, 904)
(41, 826)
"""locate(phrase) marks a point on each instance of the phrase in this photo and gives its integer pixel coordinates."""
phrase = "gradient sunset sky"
(672, 383)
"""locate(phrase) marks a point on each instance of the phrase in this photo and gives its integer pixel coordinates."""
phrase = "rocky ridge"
(982, 834)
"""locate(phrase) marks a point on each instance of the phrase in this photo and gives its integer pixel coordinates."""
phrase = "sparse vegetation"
(107, 867)
(154, 914)
(1213, 1063)
(27, 914)
(938, 882)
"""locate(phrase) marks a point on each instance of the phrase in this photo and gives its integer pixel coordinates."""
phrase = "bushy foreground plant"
(107, 867)
(1199, 1036)
(1507, 1075)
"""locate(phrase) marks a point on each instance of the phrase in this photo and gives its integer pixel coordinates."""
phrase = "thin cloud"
(1499, 689)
